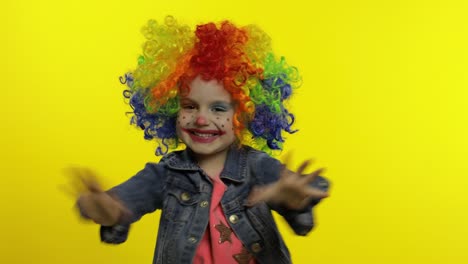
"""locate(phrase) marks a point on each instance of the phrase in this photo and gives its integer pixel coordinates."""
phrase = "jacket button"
(256, 247)
(204, 204)
(233, 219)
(185, 196)
(192, 240)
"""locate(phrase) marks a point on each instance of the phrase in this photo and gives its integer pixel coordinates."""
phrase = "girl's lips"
(203, 136)
(203, 132)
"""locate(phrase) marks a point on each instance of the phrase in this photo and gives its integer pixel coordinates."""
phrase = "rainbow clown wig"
(240, 58)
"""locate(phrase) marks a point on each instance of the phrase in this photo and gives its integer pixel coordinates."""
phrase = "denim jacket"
(178, 187)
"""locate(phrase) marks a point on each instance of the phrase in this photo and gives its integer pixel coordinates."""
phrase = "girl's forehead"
(206, 100)
(207, 90)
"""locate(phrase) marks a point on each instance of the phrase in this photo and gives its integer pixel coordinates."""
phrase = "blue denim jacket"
(183, 191)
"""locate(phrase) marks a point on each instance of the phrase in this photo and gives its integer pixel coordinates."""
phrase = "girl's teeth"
(203, 135)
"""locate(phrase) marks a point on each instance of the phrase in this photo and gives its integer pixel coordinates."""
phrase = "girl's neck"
(213, 164)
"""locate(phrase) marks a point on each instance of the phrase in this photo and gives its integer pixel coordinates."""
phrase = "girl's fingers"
(303, 166)
(316, 193)
(93, 186)
(308, 178)
(83, 179)
(89, 179)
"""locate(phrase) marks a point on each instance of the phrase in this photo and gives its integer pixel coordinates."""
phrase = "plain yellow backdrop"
(382, 107)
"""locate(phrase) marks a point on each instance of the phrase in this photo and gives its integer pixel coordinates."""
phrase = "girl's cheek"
(225, 123)
(184, 119)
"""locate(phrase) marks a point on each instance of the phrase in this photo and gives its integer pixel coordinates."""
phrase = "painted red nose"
(201, 121)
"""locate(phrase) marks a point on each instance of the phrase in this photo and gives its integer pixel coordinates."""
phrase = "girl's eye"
(188, 107)
(219, 109)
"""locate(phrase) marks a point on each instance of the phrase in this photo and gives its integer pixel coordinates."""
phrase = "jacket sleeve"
(141, 194)
(268, 170)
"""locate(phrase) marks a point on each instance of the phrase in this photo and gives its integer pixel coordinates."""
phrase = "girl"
(221, 93)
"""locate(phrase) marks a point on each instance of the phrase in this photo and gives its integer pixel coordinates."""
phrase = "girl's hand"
(93, 202)
(292, 189)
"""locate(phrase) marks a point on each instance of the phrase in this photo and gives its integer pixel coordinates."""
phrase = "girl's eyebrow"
(186, 100)
(223, 103)
(217, 102)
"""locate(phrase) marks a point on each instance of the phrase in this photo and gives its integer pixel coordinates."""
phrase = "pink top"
(219, 243)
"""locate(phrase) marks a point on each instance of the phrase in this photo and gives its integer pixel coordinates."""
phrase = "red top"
(219, 243)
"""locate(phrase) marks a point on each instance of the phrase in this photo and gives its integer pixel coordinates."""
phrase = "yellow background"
(382, 107)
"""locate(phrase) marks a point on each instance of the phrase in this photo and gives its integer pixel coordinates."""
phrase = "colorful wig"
(240, 58)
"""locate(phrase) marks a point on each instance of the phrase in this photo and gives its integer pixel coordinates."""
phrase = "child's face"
(204, 122)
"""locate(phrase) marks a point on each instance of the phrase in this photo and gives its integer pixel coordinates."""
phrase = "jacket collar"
(235, 166)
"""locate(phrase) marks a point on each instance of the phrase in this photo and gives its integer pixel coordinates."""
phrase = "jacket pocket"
(180, 204)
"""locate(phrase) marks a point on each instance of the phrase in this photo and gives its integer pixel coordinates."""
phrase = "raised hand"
(93, 202)
(292, 189)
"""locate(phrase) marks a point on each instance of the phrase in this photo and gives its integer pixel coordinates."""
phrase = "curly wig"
(240, 58)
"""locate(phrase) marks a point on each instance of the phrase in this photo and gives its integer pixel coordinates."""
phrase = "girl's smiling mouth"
(203, 136)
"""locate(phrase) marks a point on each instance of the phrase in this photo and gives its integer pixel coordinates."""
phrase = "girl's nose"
(201, 121)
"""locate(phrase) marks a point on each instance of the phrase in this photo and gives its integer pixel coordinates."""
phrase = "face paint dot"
(228, 119)
(183, 117)
(217, 118)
